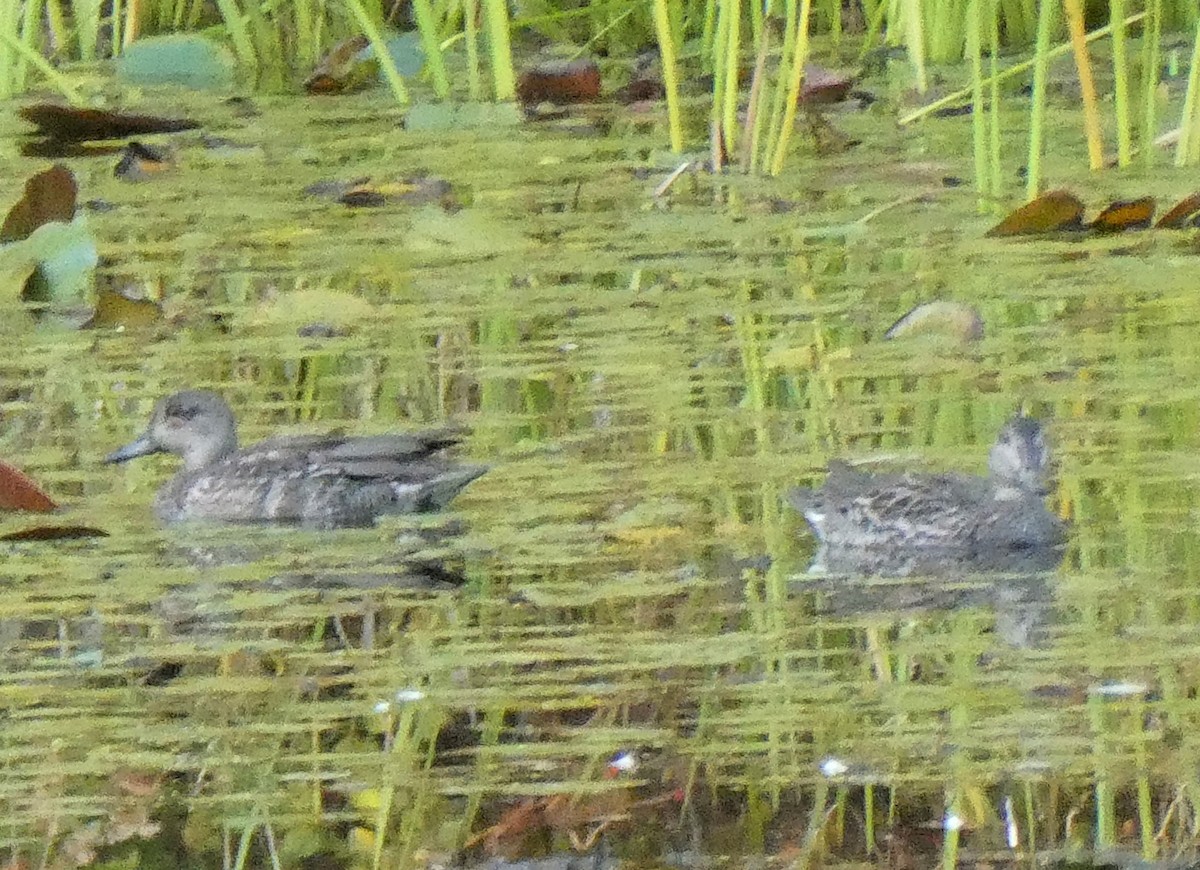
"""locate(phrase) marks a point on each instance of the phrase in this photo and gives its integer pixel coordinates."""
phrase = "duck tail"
(435, 494)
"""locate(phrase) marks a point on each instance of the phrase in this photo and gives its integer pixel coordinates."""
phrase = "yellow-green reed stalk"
(950, 832)
(979, 121)
(1009, 72)
(1145, 801)
(56, 23)
(1187, 151)
(268, 41)
(792, 101)
(1120, 62)
(1087, 84)
(502, 66)
(308, 43)
(471, 33)
(993, 19)
(708, 35)
(945, 29)
(720, 47)
(731, 12)
(876, 15)
(11, 47)
(756, 105)
(371, 31)
(1037, 119)
(670, 70)
(235, 26)
(30, 37)
(1106, 819)
(1151, 63)
(9, 40)
(914, 40)
(780, 90)
(427, 27)
(86, 16)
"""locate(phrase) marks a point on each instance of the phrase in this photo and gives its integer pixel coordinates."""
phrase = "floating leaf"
(1181, 215)
(462, 116)
(824, 86)
(1131, 214)
(18, 492)
(407, 52)
(63, 257)
(69, 124)
(54, 533)
(560, 81)
(1050, 212)
(954, 320)
(119, 309)
(49, 196)
(180, 59)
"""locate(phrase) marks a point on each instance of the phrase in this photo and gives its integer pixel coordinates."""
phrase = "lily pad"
(462, 116)
(407, 53)
(55, 264)
(188, 60)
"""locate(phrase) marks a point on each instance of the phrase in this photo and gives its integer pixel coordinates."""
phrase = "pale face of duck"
(196, 425)
(1020, 458)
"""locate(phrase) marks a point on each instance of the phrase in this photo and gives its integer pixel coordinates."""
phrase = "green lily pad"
(462, 116)
(187, 60)
(407, 53)
(56, 264)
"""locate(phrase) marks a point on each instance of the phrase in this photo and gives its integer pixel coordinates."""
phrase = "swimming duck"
(318, 481)
(956, 515)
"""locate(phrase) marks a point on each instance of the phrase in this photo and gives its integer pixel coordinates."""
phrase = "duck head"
(195, 425)
(1020, 458)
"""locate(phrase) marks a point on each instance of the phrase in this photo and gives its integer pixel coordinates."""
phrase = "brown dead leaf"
(1130, 214)
(49, 196)
(1051, 212)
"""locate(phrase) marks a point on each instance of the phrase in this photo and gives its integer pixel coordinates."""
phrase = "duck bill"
(143, 446)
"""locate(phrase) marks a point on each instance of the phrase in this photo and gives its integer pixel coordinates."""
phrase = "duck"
(958, 516)
(315, 481)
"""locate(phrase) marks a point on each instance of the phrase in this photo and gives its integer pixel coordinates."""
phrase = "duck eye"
(182, 413)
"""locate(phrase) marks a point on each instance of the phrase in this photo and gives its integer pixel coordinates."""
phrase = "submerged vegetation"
(467, 42)
(613, 642)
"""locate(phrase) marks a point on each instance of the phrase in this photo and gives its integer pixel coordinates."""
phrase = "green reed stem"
(914, 40)
(1120, 62)
(670, 71)
(792, 100)
(502, 66)
(10, 45)
(471, 32)
(733, 15)
(239, 34)
(388, 66)
(434, 62)
(1151, 75)
(979, 120)
(1189, 123)
(997, 183)
(1037, 118)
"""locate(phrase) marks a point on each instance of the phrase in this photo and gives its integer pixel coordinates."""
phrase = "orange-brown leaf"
(1051, 212)
(18, 492)
(49, 196)
(1129, 214)
(1182, 214)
